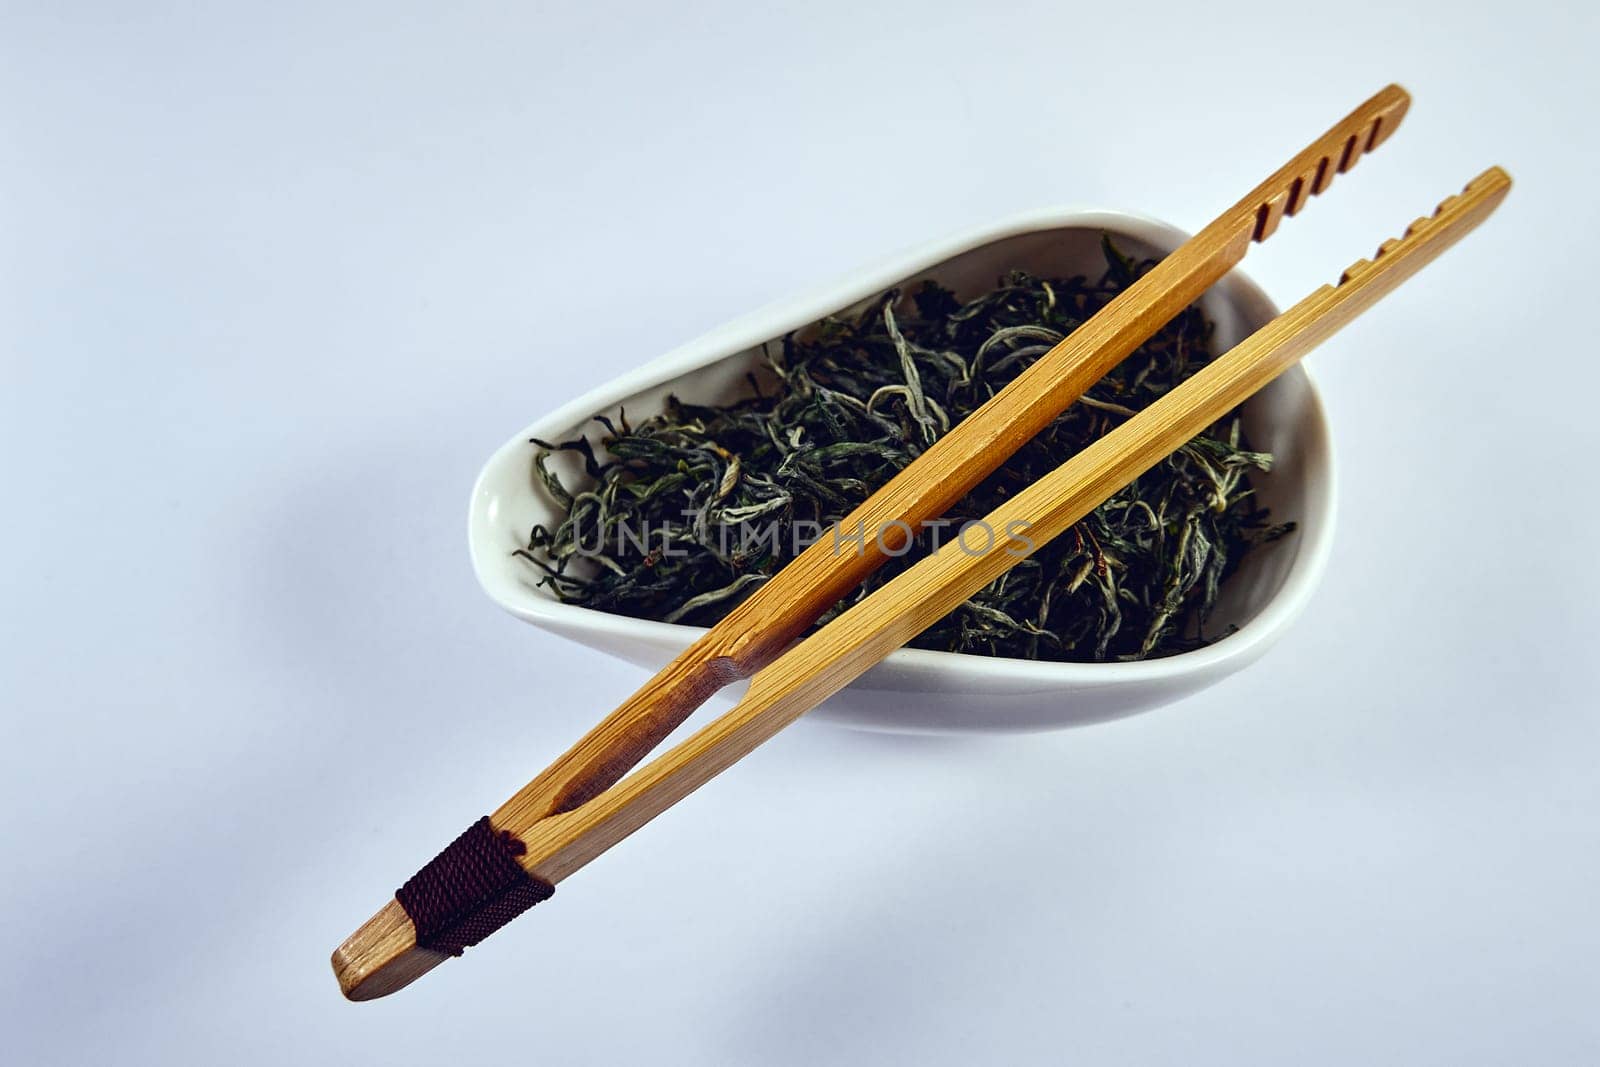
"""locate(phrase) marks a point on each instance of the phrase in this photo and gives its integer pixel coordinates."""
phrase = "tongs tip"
(382, 957)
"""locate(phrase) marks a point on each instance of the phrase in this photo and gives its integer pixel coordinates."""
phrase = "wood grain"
(387, 936)
(786, 606)
(838, 653)
(753, 635)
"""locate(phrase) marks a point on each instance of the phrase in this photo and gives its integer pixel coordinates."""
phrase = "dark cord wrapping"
(470, 890)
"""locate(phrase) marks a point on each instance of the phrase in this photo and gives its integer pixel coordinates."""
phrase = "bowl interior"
(509, 502)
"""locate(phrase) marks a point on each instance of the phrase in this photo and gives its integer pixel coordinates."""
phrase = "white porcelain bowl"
(915, 690)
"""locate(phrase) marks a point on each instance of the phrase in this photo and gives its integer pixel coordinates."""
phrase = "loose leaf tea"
(683, 515)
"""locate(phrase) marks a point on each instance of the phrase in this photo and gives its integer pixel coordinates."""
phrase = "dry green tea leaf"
(691, 510)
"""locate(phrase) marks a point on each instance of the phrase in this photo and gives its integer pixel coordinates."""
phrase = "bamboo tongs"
(582, 804)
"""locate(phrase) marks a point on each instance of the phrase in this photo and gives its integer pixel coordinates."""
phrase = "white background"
(278, 278)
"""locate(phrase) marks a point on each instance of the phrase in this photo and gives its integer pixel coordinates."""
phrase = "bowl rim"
(779, 317)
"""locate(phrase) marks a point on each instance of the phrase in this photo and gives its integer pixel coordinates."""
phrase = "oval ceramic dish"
(916, 690)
